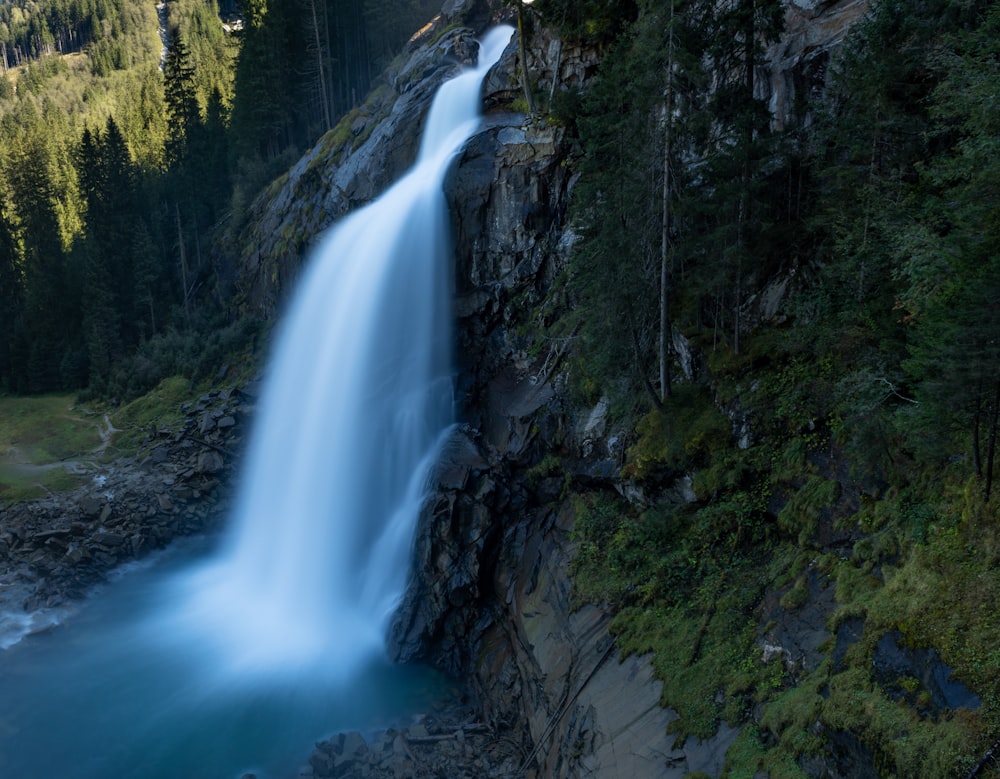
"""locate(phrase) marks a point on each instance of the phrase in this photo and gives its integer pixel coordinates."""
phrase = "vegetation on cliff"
(840, 449)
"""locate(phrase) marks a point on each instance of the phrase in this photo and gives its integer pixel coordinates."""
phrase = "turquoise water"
(105, 695)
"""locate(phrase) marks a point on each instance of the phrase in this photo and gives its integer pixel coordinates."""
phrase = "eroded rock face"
(798, 64)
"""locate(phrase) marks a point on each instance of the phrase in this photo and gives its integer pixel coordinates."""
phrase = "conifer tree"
(951, 268)
(181, 99)
(51, 302)
(11, 307)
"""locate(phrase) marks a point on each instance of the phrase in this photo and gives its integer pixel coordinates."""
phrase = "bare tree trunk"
(749, 42)
(324, 98)
(184, 264)
(665, 383)
(555, 72)
(977, 419)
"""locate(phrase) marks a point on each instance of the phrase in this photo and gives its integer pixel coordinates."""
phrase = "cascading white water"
(239, 663)
(357, 395)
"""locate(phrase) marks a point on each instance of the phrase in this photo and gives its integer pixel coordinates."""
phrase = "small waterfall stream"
(242, 658)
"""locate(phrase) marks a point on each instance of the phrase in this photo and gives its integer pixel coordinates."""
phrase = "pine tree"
(11, 308)
(181, 98)
(632, 131)
(951, 268)
(51, 301)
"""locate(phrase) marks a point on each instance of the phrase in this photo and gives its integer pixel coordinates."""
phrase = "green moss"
(797, 596)
(686, 432)
(159, 409)
(899, 737)
(748, 757)
(704, 650)
(801, 514)
(792, 714)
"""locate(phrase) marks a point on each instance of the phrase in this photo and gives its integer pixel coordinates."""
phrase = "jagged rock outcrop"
(797, 65)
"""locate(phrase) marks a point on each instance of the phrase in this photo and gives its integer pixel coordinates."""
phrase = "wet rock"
(210, 462)
(798, 635)
(449, 743)
(918, 675)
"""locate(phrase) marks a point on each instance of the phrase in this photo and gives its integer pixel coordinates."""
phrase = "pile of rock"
(448, 745)
(55, 549)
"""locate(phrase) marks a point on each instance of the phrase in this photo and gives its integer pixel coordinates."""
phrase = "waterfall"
(356, 399)
(236, 663)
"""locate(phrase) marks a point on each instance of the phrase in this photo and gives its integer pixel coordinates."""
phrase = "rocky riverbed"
(450, 742)
(54, 550)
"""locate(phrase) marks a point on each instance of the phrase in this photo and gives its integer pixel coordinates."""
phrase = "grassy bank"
(45, 443)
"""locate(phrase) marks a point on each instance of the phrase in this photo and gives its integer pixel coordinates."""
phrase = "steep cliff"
(491, 598)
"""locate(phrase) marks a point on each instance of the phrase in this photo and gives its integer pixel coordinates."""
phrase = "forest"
(127, 141)
(869, 405)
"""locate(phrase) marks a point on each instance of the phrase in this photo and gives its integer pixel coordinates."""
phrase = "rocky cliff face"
(491, 597)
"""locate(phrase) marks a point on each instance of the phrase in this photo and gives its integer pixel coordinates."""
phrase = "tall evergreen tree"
(951, 267)
(51, 301)
(181, 99)
(12, 336)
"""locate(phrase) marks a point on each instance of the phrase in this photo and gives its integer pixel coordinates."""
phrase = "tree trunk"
(977, 419)
(555, 72)
(324, 98)
(184, 264)
(991, 446)
(668, 123)
(743, 215)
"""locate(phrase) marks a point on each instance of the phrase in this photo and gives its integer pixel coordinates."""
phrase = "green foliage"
(204, 353)
(586, 20)
(801, 514)
(951, 271)
(685, 433)
(159, 409)
(116, 177)
(37, 436)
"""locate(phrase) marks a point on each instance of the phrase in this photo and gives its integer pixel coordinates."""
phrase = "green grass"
(38, 437)
(47, 429)
(159, 408)
(49, 444)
